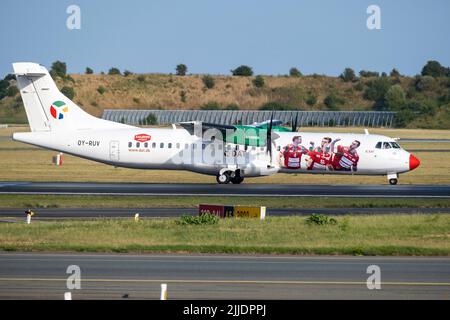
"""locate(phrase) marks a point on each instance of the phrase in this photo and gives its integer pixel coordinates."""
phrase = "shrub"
(294, 72)
(424, 83)
(181, 69)
(359, 86)
(140, 78)
(58, 69)
(367, 74)
(404, 117)
(394, 98)
(69, 92)
(211, 105)
(204, 219)
(114, 71)
(243, 71)
(89, 71)
(150, 120)
(101, 90)
(320, 220)
(311, 100)
(258, 82)
(183, 96)
(376, 89)
(332, 102)
(136, 100)
(232, 106)
(208, 81)
(127, 73)
(348, 75)
(12, 91)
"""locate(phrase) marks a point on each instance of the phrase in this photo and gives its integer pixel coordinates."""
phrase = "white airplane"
(228, 152)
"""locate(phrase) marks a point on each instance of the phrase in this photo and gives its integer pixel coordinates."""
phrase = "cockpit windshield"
(387, 145)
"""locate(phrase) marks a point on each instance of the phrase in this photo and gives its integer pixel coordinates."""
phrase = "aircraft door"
(114, 150)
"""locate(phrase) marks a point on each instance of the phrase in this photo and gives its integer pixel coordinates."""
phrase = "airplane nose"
(413, 162)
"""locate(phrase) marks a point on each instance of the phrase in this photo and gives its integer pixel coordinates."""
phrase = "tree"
(394, 73)
(114, 71)
(276, 106)
(294, 72)
(376, 89)
(69, 92)
(58, 69)
(433, 68)
(332, 102)
(181, 69)
(367, 74)
(348, 75)
(89, 71)
(425, 83)
(10, 77)
(395, 98)
(243, 71)
(127, 73)
(258, 82)
(12, 91)
(208, 81)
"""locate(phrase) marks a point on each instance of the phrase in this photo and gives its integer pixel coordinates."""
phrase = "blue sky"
(214, 36)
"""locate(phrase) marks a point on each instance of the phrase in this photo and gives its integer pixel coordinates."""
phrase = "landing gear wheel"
(393, 181)
(237, 180)
(223, 178)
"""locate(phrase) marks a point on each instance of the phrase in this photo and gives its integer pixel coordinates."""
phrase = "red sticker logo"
(142, 137)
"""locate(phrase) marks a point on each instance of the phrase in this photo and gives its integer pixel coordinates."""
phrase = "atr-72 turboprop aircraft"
(228, 152)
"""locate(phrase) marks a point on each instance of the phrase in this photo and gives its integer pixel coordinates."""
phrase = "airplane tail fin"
(47, 108)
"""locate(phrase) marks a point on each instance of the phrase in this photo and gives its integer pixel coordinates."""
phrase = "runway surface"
(43, 276)
(249, 189)
(89, 213)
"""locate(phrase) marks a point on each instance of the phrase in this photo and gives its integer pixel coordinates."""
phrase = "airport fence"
(230, 117)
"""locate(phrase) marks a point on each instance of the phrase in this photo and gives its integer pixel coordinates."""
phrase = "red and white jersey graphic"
(320, 160)
(293, 156)
(343, 159)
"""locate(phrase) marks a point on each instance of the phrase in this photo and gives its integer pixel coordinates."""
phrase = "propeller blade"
(269, 137)
(295, 123)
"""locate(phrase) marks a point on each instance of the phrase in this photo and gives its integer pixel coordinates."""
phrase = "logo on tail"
(58, 109)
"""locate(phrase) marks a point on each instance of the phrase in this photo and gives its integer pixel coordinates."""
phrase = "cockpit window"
(387, 145)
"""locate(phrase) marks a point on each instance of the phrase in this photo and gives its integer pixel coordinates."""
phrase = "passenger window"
(203, 146)
(219, 146)
(154, 145)
(130, 144)
(279, 148)
(138, 144)
(161, 145)
(169, 145)
(178, 146)
(146, 145)
(378, 146)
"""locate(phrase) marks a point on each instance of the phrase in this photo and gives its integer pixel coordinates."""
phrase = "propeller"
(269, 137)
(295, 123)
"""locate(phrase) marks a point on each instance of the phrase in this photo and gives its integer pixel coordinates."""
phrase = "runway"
(43, 276)
(91, 213)
(249, 189)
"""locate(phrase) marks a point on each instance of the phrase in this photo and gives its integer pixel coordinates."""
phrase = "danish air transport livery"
(229, 152)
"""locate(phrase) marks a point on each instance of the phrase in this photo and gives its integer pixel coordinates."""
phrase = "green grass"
(75, 201)
(362, 235)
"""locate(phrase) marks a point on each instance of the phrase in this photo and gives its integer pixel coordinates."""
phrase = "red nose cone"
(413, 162)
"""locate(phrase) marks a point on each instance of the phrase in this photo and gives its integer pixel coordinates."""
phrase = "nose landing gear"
(392, 178)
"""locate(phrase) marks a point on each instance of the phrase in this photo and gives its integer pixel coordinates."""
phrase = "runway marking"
(221, 194)
(293, 282)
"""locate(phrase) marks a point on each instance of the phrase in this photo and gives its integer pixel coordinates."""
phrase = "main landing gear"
(392, 178)
(230, 176)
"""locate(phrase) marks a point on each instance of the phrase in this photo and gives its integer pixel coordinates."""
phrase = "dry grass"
(370, 235)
